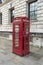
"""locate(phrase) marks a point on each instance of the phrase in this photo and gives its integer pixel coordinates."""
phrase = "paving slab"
(41, 61)
(8, 58)
(13, 59)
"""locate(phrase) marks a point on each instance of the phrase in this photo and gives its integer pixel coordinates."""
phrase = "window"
(0, 1)
(33, 11)
(0, 18)
(12, 14)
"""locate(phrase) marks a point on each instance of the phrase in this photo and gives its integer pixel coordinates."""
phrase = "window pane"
(35, 15)
(16, 29)
(35, 5)
(27, 31)
(32, 15)
(27, 39)
(12, 14)
(32, 5)
(32, 9)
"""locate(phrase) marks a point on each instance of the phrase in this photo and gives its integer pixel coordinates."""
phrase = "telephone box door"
(26, 37)
(17, 38)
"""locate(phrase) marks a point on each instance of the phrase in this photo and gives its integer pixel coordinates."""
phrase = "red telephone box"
(21, 35)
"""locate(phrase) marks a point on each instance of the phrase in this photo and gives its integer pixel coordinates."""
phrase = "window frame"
(11, 9)
(31, 11)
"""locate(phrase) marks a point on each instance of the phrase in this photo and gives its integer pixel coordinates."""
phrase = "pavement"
(8, 58)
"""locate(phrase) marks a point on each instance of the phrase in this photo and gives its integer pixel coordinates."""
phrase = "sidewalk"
(36, 51)
(8, 58)
(13, 59)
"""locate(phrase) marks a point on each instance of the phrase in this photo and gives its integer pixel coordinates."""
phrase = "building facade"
(29, 8)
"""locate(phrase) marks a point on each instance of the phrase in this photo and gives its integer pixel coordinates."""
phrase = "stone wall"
(21, 9)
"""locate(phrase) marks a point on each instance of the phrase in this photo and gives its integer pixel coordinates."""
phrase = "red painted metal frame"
(18, 51)
(21, 21)
(25, 50)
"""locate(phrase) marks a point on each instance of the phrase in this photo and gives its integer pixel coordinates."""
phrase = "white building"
(28, 8)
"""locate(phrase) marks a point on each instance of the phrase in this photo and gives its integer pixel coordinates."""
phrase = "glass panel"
(16, 39)
(12, 12)
(32, 15)
(35, 8)
(16, 25)
(16, 30)
(32, 9)
(16, 44)
(27, 29)
(32, 5)
(27, 32)
(16, 36)
(27, 42)
(35, 15)
(35, 4)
